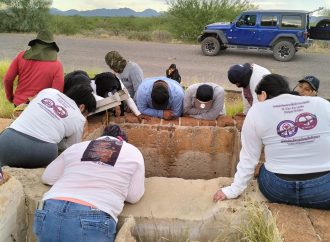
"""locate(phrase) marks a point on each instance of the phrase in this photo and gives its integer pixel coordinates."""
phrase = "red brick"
(152, 121)
(170, 122)
(188, 121)
(131, 118)
(203, 122)
(225, 121)
(239, 121)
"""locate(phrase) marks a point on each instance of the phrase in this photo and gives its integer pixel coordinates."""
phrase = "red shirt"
(33, 76)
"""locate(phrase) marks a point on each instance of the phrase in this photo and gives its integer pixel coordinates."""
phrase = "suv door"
(244, 30)
(268, 28)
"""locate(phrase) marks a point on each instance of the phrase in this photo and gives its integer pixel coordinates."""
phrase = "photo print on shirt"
(103, 152)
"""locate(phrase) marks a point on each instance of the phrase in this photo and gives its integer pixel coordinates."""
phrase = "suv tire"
(210, 46)
(284, 50)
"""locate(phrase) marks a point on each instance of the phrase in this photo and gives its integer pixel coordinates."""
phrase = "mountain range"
(103, 12)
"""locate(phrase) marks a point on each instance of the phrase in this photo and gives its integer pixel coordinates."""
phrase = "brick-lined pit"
(186, 147)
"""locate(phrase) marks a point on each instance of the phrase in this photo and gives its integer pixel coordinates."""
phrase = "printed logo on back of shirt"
(59, 110)
(289, 128)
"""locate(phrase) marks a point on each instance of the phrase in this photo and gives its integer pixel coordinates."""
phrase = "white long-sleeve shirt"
(217, 108)
(50, 117)
(258, 72)
(79, 173)
(296, 133)
(130, 102)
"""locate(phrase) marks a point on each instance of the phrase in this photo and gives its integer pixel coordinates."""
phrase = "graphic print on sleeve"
(103, 152)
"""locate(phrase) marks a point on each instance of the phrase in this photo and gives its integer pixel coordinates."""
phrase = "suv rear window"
(268, 20)
(291, 21)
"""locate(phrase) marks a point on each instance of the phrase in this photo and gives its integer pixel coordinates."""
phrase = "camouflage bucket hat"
(44, 37)
(115, 61)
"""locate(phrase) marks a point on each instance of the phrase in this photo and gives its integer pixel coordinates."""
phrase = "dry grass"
(234, 103)
(258, 226)
(6, 108)
(319, 46)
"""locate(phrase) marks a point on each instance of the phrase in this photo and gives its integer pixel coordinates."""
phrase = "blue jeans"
(63, 221)
(21, 150)
(312, 193)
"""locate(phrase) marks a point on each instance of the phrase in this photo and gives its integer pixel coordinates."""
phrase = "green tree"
(24, 15)
(325, 12)
(188, 17)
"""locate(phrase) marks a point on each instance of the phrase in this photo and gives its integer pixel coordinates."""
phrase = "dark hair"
(77, 77)
(115, 131)
(274, 85)
(160, 95)
(82, 94)
(106, 82)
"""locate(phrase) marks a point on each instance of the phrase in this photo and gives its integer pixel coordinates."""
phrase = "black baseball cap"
(313, 81)
(204, 97)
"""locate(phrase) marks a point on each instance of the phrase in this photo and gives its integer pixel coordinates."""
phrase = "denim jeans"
(21, 150)
(63, 221)
(312, 193)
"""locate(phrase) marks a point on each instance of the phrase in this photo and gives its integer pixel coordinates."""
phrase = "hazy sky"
(160, 5)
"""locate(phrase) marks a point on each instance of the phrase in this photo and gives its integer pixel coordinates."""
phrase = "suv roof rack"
(316, 10)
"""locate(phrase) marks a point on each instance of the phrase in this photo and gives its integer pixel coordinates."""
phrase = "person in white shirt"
(51, 120)
(90, 182)
(106, 84)
(295, 131)
(247, 76)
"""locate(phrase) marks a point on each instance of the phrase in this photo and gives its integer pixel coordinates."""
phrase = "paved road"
(154, 58)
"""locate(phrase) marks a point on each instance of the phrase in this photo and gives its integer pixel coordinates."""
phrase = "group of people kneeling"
(92, 179)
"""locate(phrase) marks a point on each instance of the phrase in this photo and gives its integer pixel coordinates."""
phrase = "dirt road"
(154, 58)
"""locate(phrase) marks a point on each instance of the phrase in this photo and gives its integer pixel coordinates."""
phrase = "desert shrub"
(161, 36)
(139, 35)
(188, 17)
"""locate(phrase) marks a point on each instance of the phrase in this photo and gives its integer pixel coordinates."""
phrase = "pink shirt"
(79, 173)
(33, 76)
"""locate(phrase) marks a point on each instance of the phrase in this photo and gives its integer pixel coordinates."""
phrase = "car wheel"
(210, 46)
(284, 50)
